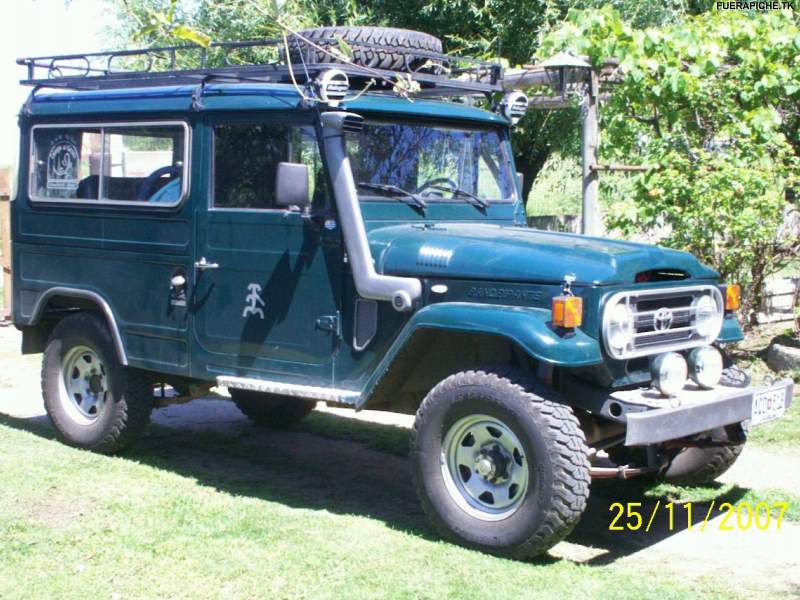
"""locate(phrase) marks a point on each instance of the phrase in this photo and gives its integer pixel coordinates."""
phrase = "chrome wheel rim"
(84, 384)
(484, 467)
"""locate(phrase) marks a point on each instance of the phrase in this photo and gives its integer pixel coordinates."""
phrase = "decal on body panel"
(254, 301)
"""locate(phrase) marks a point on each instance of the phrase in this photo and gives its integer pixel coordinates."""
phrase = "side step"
(308, 392)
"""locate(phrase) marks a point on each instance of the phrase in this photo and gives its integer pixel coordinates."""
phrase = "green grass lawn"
(236, 512)
(212, 515)
(721, 493)
(782, 433)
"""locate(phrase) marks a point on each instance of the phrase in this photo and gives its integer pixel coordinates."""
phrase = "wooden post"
(590, 138)
(5, 232)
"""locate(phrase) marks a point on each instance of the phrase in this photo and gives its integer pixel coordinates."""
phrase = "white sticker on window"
(62, 165)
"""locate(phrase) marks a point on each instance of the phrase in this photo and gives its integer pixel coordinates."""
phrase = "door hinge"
(330, 323)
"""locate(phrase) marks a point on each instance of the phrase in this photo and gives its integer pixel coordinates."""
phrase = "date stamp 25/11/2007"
(742, 516)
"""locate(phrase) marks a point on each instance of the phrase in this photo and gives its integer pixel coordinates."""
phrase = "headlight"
(669, 373)
(705, 366)
(708, 316)
(620, 327)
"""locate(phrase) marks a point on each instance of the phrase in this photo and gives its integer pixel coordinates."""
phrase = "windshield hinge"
(330, 323)
(198, 93)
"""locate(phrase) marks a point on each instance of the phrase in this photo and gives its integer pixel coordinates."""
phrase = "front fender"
(528, 328)
(731, 331)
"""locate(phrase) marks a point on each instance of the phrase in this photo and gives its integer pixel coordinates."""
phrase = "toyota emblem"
(662, 320)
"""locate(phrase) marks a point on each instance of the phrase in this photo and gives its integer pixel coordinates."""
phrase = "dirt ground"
(758, 561)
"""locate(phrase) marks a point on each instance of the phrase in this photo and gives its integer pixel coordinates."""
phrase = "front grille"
(664, 320)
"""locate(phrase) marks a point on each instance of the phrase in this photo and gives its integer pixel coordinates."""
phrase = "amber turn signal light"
(733, 296)
(567, 311)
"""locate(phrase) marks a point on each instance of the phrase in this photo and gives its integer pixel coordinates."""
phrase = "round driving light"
(620, 327)
(514, 106)
(669, 373)
(333, 86)
(705, 366)
(708, 316)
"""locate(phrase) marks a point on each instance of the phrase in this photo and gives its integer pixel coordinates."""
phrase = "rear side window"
(246, 157)
(123, 163)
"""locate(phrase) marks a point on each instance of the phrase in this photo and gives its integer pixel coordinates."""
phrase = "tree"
(507, 29)
(708, 103)
(512, 30)
(163, 22)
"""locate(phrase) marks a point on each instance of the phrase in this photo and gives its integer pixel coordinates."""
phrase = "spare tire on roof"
(376, 47)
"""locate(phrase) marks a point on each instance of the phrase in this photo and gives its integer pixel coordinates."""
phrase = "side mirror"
(291, 185)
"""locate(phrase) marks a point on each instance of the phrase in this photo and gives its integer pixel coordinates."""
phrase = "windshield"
(438, 163)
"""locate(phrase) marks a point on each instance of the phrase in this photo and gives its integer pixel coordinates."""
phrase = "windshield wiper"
(469, 196)
(403, 195)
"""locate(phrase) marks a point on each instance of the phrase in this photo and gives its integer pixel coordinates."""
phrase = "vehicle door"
(267, 278)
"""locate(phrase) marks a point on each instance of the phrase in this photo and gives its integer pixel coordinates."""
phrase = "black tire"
(270, 410)
(699, 466)
(127, 394)
(687, 466)
(399, 47)
(552, 441)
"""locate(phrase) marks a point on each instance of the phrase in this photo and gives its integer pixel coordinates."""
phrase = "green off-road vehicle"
(270, 227)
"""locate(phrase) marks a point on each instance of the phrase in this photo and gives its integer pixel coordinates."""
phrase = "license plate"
(768, 406)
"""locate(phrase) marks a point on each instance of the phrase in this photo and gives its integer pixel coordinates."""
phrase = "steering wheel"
(436, 181)
(150, 180)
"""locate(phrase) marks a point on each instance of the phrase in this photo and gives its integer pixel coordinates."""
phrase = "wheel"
(497, 466)
(399, 48)
(93, 401)
(687, 466)
(698, 466)
(270, 410)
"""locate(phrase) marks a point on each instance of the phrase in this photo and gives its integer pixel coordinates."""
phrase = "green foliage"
(163, 21)
(506, 30)
(157, 22)
(708, 103)
(511, 30)
(167, 22)
(557, 188)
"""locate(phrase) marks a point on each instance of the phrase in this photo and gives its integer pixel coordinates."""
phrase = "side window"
(66, 163)
(144, 164)
(116, 163)
(246, 157)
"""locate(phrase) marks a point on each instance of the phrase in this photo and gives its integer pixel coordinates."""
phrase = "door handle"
(203, 264)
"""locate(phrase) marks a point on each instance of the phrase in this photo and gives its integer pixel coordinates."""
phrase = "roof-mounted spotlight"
(514, 106)
(333, 86)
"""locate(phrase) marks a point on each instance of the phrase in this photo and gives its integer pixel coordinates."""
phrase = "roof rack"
(254, 61)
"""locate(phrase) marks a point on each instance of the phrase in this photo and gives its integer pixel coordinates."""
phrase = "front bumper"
(651, 419)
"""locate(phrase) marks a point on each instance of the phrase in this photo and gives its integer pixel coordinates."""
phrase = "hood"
(507, 253)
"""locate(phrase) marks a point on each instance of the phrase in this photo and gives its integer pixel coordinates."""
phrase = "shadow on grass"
(611, 522)
(352, 467)
(295, 467)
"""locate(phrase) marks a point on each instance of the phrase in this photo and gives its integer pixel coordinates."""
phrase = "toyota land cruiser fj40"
(271, 229)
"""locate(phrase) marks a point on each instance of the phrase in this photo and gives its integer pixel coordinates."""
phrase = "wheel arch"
(463, 335)
(53, 303)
